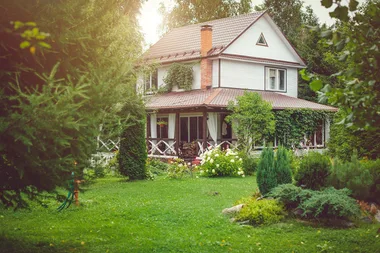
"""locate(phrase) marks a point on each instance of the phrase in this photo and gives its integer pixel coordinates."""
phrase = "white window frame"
(149, 77)
(277, 79)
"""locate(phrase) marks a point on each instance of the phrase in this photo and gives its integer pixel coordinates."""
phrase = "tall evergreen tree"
(266, 175)
(282, 166)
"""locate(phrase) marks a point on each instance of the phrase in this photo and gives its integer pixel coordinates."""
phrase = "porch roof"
(219, 98)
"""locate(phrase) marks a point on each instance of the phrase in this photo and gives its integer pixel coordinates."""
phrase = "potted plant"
(162, 123)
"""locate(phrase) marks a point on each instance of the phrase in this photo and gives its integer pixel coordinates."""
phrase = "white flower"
(189, 164)
(216, 155)
(217, 165)
(213, 171)
(201, 172)
(232, 160)
(180, 165)
(236, 157)
(243, 175)
(240, 159)
(212, 160)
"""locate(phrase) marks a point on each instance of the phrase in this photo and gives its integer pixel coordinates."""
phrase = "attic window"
(261, 41)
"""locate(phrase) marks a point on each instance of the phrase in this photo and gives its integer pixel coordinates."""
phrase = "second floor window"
(275, 79)
(151, 81)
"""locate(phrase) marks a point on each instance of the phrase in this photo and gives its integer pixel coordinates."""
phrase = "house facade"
(228, 57)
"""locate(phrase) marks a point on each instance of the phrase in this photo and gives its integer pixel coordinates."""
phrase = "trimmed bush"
(266, 174)
(330, 203)
(132, 153)
(313, 171)
(351, 175)
(282, 166)
(218, 163)
(260, 212)
(156, 167)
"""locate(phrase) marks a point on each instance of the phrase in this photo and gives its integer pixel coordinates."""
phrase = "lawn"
(168, 216)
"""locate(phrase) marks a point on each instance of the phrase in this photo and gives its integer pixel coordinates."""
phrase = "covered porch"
(185, 124)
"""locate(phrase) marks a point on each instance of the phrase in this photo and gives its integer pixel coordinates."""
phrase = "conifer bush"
(132, 153)
(266, 174)
(282, 167)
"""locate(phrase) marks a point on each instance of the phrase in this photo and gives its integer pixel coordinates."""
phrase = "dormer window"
(275, 79)
(261, 41)
(151, 81)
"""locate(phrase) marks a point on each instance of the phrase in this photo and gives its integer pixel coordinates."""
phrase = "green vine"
(292, 124)
(179, 75)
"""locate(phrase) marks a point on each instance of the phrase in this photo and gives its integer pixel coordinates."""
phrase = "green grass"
(167, 216)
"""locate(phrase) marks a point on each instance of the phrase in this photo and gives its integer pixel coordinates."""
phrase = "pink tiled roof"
(219, 98)
(183, 42)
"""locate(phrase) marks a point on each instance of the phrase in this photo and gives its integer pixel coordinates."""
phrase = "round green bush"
(132, 152)
(313, 171)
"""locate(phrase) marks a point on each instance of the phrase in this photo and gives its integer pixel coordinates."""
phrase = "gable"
(276, 46)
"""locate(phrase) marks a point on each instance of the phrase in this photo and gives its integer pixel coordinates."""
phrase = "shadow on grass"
(12, 245)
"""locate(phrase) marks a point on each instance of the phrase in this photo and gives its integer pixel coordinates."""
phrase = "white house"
(228, 56)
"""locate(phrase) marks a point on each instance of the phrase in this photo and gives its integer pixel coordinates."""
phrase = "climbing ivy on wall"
(292, 124)
(180, 75)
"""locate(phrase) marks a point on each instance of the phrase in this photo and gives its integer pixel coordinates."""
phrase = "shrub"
(288, 194)
(330, 203)
(132, 153)
(218, 163)
(313, 171)
(282, 167)
(260, 212)
(156, 167)
(353, 176)
(374, 169)
(266, 175)
(249, 163)
(294, 161)
(178, 168)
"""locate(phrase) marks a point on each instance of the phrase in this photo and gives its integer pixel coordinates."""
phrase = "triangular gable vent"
(261, 41)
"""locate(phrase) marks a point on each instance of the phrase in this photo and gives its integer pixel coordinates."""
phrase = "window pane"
(154, 79)
(282, 79)
(272, 79)
(193, 129)
(147, 82)
(162, 130)
(319, 133)
(184, 129)
(200, 127)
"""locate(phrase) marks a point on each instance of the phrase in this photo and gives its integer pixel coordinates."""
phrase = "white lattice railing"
(162, 148)
(108, 144)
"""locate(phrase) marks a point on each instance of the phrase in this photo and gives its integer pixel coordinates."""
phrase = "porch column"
(177, 121)
(204, 127)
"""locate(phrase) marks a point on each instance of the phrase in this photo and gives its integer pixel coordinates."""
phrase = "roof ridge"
(218, 19)
(212, 96)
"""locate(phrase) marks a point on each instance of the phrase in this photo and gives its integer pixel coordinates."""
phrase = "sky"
(150, 18)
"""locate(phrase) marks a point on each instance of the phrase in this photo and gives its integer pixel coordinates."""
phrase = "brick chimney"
(206, 64)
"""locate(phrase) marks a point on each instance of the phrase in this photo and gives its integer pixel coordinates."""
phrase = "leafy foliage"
(250, 126)
(351, 175)
(218, 163)
(179, 75)
(344, 141)
(132, 152)
(266, 175)
(178, 168)
(313, 171)
(292, 125)
(282, 166)
(374, 168)
(359, 47)
(187, 12)
(288, 194)
(55, 94)
(260, 212)
(250, 163)
(156, 167)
